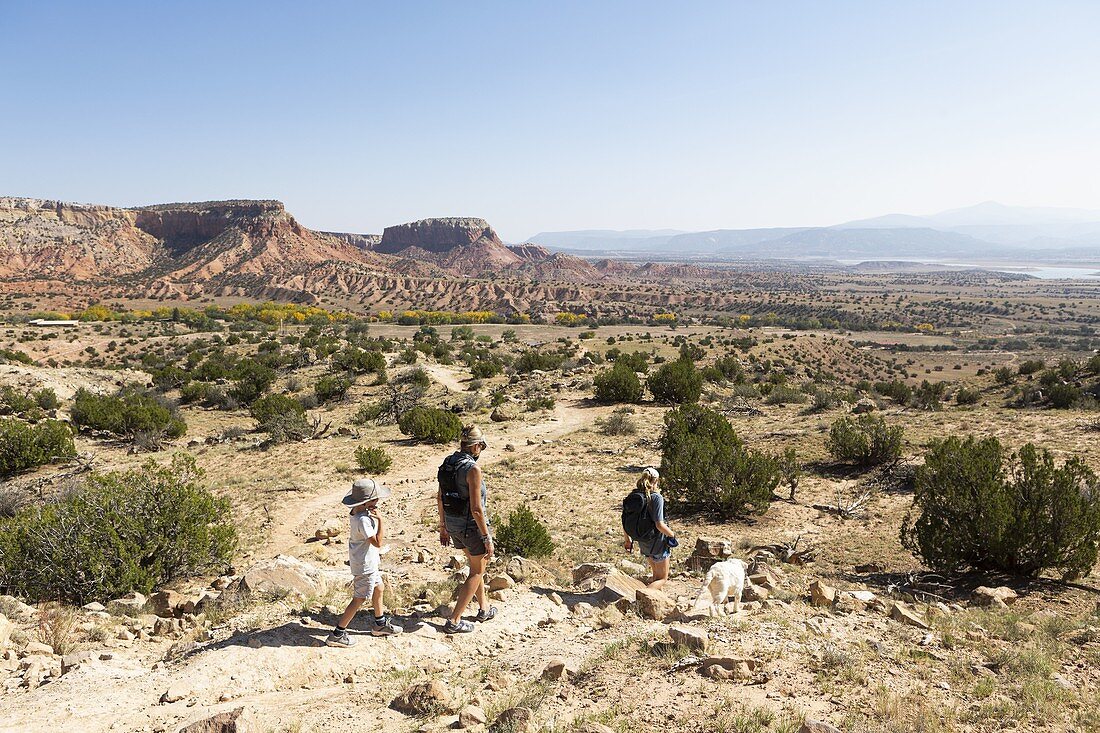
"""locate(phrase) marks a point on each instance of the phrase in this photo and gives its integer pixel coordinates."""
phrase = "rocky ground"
(835, 629)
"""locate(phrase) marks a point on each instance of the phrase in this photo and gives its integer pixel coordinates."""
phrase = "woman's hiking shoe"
(483, 615)
(340, 639)
(462, 627)
(385, 627)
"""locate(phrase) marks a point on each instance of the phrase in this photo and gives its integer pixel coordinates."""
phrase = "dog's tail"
(706, 597)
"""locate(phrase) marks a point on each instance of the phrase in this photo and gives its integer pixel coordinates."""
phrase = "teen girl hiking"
(644, 525)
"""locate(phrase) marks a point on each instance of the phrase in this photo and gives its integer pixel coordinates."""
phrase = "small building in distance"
(56, 324)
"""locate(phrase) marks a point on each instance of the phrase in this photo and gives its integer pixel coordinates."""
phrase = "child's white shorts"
(363, 585)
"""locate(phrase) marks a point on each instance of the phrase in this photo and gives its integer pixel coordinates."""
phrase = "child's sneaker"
(483, 615)
(339, 638)
(385, 627)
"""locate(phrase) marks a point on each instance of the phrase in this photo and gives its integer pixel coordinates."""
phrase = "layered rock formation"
(77, 253)
(438, 235)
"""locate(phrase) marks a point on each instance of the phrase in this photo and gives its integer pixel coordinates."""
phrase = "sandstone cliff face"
(181, 227)
(42, 239)
(437, 235)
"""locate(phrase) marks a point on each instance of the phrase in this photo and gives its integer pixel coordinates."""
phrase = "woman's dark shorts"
(658, 549)
(465, 534)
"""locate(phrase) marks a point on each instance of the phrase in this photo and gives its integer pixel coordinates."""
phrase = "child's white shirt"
(362, 555)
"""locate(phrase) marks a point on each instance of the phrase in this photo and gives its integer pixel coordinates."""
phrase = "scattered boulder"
(822, 595)
(709, 550)
(283, 575)
(17, 611)
(817, 726)
(848, 603)
(608, 618)
(605, 582)
(633, 569)
(329, 528)
(129, 605)
(471, 716)
(500, 681)
(176, 692)
(74, 660)
(582, 609)
(559, 669)
(522, 570)
(729, 668)
(504, 413)
(653, 604)
(37, 647)
(94, 607)
(753, 592)
(514, 720)
(165, 603)
(691, 637)
(423, 698)
(232, 721)
(901, 612)
(864, 406)
(501, 582)
(6, 627)
(1000, 597)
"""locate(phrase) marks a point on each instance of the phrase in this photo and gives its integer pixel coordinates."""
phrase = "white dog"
(724, 580)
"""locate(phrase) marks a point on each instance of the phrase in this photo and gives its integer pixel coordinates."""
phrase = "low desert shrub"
(283, 418)
(865, 441)
(524, 535)
(929, 395)
(898, 391)
(976, 506)
(359, 361)
(532, 360)
(617, 384)
(783, 395)
(1031, 366)
(430, 425)
(967, 396)
(250, 381)
(486, 369)
(676, 382)
(542, 402)
(706, 468)
(122, 531)
(619, 422)
(331, 387)
(373, 459)
(24, 446)
(130, 414)
(1064, 396)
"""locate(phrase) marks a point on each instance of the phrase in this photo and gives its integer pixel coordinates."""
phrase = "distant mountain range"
(989, 230)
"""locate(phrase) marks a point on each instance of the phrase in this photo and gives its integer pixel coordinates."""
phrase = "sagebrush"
(122, 531)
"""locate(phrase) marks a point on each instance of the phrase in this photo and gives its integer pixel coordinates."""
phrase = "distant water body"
(1043, 272)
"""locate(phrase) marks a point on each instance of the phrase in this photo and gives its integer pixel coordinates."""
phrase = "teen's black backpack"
(456, 498)
(637, 518)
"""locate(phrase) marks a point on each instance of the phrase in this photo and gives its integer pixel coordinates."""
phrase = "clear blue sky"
(554, 115)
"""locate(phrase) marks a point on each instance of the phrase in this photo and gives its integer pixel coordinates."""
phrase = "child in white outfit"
(364, 539)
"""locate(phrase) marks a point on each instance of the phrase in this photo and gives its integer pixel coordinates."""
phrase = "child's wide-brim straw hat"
(365, 490)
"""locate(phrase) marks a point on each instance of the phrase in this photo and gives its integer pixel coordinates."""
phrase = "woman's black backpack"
(456, 498)
(637, 518)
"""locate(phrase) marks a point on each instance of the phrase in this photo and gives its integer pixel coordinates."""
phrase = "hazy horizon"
(619, 116)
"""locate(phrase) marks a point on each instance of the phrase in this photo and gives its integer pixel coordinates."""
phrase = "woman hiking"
(463, 522)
